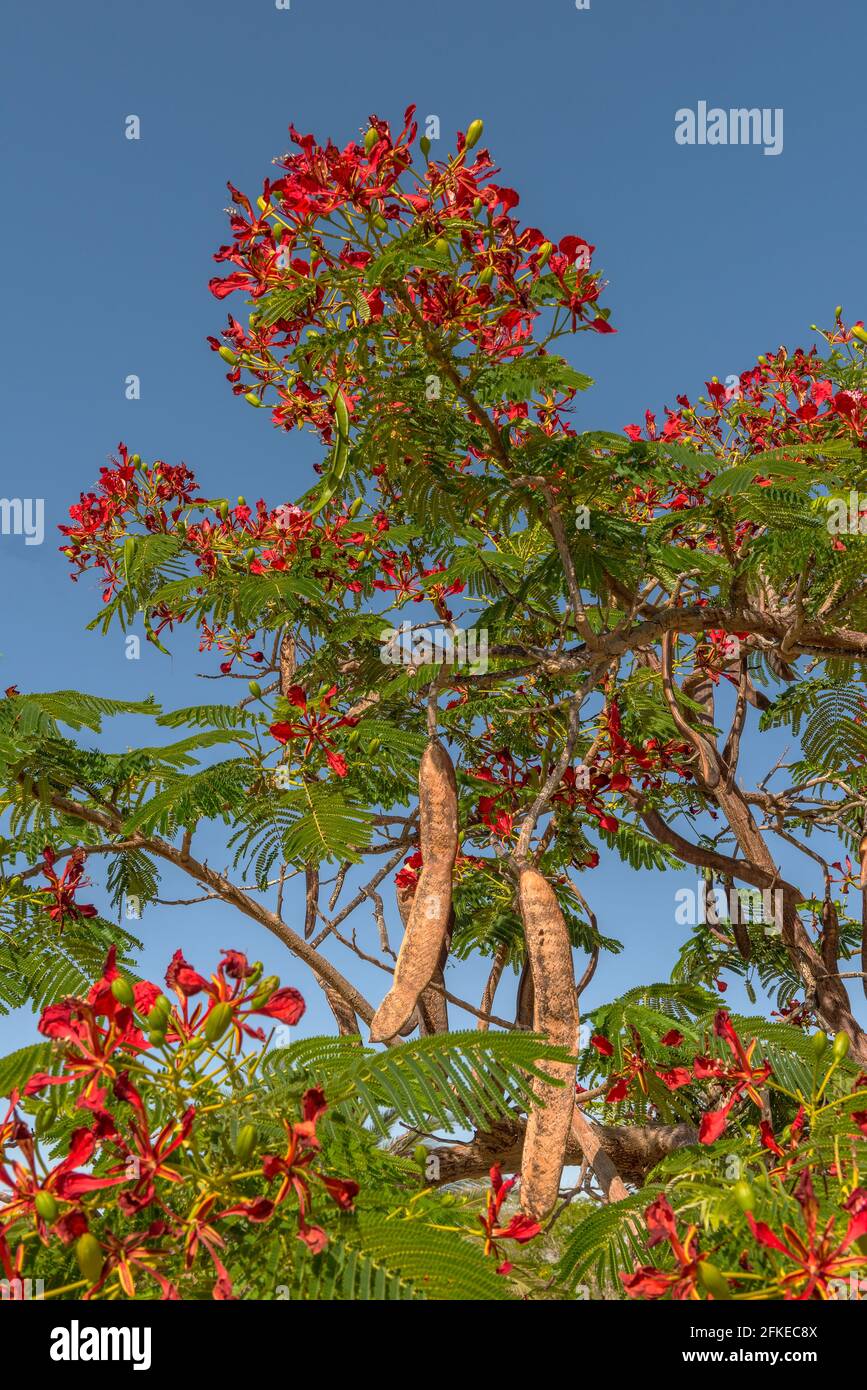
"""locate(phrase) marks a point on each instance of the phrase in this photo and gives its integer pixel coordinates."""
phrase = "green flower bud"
(356, 506)
(370, 139)
(419, 1153)
(227, 355)
(217, 1022)
(477, 206)
(859, 332)
(486, 275)
(223, 509)
(711, 1280)
(244, 1142)
(250, 555)
(88, 1253)
(545, 252)
(255, 973)
(441, 246)
(269, 985)
(135, 460)
(163, 1005)
(819, 1042)
(838, 312)
(474, 133)
(744, 1195)
(46, 1206)
(374, 745)
(251, 398)
(424, 146)
(242, 501)
(123, 991)
(842, 1042)
(254, 688)
(156, 1037)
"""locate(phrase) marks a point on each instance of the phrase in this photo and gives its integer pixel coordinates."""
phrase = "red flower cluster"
(63, 887)
(521, 1228)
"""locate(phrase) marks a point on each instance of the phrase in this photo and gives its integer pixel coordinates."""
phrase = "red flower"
(822, 1256)
(521, 1228)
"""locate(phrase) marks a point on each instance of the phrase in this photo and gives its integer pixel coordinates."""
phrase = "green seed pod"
(424, 146)
(486, 275)
(842, 1042)
(545, 252)
(819, 1043)
(474, 133)
(88, 1253)
(254, 688)
(244, 1142)
(218, 1020)
(46, 1206)
(370, 139)
(711, 1280)
(123, 991)
(744, 1195)
(251, 398)
(227, 355)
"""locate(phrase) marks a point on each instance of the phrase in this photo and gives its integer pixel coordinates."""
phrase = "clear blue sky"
(713, 255)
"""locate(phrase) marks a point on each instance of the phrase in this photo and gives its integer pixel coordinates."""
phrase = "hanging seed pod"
(428, 921)
(555, 1014)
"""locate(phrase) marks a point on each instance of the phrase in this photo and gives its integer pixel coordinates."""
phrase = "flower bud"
(860, 332)
(474, 133)
(135, 460)
(251, 398)
(244, 1142)
(419, 1153)
(356, 506)
(819, 1042)
(486, 275)
(242, 501)
(744, 1195)
(46, 1206)
(123, 991)
(841, 1042)
(711, 1280)
(223, 509)
(838, 312)
(370, 139)
(254, 688)
(217, 1021)
(441, 246)
(88, 1253)
(156, 1037)
(255, 973)
(269, 986)
(227, 355)
(544, 252)
(424, 146)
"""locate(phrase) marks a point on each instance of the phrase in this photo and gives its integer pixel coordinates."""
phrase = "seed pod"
(428, 920)
(555, 1014)
(744, 1195)
(474, 133)
(841, 1046)
(88, 1253)
(218, 1021)
(123, 991)
(710, 1279)
(46, 1206)
(244, 1142)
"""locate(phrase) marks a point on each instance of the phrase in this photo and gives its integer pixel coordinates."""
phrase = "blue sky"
(713, 254)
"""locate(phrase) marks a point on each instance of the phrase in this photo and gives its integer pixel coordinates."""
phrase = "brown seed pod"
(555, 1014)
(428, 921)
